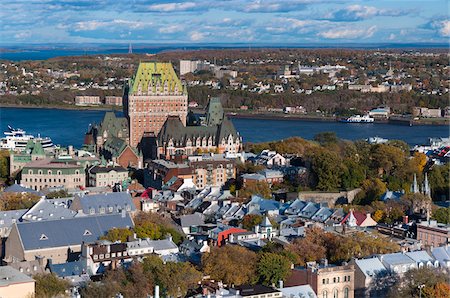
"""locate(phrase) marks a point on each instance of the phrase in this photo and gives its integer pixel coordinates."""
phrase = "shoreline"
(256, 116)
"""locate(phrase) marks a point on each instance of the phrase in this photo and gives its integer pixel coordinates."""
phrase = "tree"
(49, 285)
(260, 188)
(439, 178)
(371, 190)
(386, 158)
(442, 215)
(326, 138)
(4, 164)
(58, 194)
(433, 280)
(230, 264)
(118, 234)
(15, 201)
(154, 226)
(327, 168)
(273, 268)
(353, 174)
(249, 221)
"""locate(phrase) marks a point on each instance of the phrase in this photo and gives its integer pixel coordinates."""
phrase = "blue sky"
(224, 21)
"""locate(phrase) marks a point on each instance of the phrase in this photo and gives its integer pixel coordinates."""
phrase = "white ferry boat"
(17, 139)
(359, 119)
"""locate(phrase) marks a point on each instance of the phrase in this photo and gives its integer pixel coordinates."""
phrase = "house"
(269, 159)
(189, 223)
(256, 291)
(49, 209)
(260, 206)
(121, 153)
(422, 259)
(397, 262)
(432, 233)
(265, 229)
(358, 219)
(15, 284)
(106, 176)
(221, 234)
(60, 238)
(392, 195)
(366, 273)
(442, 255)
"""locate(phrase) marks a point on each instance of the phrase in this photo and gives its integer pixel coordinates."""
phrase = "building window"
(346, 293)
(324, 294)
(87, 233)
(336, 293)
(43, 237)
(323, 281)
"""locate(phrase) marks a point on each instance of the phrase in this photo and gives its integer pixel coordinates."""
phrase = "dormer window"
(43, 237)
(87, 233)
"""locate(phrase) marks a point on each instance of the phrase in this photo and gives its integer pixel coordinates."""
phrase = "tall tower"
(415, 186)
(154, 93)
(426, 186)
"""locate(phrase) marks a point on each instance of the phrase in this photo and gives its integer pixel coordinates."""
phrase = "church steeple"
(415, 186)
(426, 186)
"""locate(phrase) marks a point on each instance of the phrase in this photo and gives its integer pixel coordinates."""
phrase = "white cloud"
(348, 33)
(445, 28)
(358, 12)
(174, 6)
(171, 29)
(22, 35)
(196, 36)
(94, 25)
(392, 36)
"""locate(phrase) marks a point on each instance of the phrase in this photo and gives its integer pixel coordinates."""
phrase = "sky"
(224, 21)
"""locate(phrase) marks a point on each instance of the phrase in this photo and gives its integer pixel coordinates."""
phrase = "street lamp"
(420, 287)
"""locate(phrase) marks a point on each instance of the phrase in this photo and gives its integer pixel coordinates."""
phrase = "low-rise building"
(427, 112)
(326, 280)
(367, 271)
(44, 173)
(113, 100)
(87, 100)
(58, 239)
(432, 233)
(212, 170)
(106, 176)
(15, 284)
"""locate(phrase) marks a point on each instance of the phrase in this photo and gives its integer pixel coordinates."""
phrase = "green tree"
(260, 188)
(327, 168)
(371, 190)
(272, 268)
(353, 174)
(439, 178)
(442, 215)
(118, 234)
(49, 285)
(15, 201)
(63, 193)
(4, 164)
(326, 138)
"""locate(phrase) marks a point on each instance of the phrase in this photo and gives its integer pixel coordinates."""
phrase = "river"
(68, 127)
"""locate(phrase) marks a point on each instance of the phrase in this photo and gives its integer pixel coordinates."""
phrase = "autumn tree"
(434, 281)
(49, 285)
(260, 188)
(249, 221)
(230, 264)
(371, 190)
(15, 201)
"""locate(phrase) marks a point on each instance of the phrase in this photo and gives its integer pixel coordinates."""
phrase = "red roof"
(360, 217)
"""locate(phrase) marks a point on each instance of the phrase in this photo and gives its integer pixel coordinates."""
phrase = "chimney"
(405, 219)
(156, 291)
(280, 284)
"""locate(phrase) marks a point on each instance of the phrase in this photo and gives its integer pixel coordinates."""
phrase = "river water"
(68, 127)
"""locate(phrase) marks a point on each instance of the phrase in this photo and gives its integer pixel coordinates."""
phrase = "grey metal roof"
(7, 218)
(49, 209)
(20, 188)
(195, 219)
(117, 200)
(442, 254)
(164, 244)
(304, 291)
(9, 276)
(72, 231)
(67, 269)
(370, 267)
(397, 258)
(420, 256)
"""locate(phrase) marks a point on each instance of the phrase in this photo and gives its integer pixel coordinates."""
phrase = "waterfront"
(68, 127)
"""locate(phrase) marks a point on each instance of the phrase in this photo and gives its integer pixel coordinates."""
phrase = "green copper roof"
(150, 75)
(38, 149)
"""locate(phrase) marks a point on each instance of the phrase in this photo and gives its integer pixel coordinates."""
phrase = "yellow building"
(14, 283)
